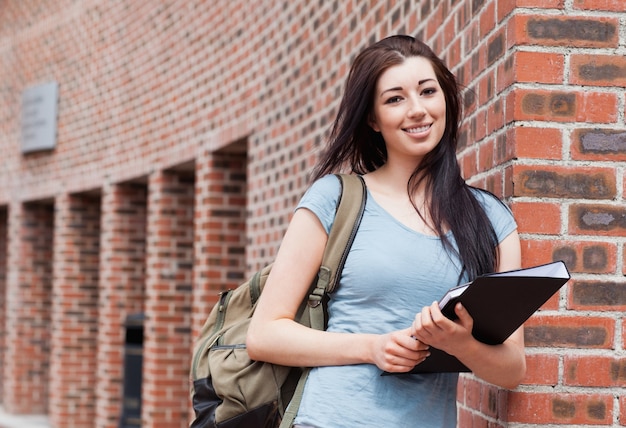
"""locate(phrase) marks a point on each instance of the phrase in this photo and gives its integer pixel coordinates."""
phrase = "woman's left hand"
(432, 327)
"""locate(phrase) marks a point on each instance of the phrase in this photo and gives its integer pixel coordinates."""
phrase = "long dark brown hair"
(354, 145)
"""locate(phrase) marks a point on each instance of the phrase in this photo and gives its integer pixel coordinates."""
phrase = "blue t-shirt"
(391, 272)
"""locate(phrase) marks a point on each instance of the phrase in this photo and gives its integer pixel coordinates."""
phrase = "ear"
(371, 121)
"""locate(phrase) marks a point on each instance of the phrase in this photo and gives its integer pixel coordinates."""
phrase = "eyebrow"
(399, 88)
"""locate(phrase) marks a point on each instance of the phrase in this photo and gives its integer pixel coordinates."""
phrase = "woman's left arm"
(502, 365)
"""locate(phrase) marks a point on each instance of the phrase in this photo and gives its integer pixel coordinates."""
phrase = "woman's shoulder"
(322, 198)
(498, 213)
(488, 200)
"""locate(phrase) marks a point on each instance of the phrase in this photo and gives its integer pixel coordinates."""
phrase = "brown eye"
(393, 100)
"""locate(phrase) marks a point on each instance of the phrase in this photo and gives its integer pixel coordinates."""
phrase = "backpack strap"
(347, 220)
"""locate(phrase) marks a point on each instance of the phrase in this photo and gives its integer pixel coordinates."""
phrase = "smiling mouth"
(418, 129)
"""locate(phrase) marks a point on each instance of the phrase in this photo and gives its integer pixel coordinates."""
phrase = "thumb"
(465, 319)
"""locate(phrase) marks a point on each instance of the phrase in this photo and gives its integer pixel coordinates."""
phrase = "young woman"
(424, 230)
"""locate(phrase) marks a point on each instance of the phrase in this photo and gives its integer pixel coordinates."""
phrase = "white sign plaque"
(39, 117)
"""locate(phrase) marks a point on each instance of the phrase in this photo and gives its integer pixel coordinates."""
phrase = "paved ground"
(30, 421)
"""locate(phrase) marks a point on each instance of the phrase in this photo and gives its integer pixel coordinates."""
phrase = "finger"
(426, 318)
(405, 363)
(465, 318)
(408, 365)
(435, 313)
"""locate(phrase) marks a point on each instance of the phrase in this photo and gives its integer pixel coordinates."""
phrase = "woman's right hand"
(398, 351)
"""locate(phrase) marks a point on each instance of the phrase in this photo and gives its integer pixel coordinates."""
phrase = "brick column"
(74, 311)
(544, 106)
(28, 314)
(122, 289)
(568, 197)
(545, 130)
(220, 234)
(168, 300)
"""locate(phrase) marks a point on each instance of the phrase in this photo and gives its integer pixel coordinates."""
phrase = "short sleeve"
(499, 214)
(322, 198)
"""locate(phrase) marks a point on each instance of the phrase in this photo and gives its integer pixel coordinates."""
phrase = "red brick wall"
(219, 227)
(169, 272)
(74, 317)
(567, 108)
(122, 289)
(195, 125)
(26, 369)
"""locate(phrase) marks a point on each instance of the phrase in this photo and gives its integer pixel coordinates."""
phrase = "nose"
(416, 107)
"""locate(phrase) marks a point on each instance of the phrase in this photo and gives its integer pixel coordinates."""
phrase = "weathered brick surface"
(599, 144)
(169, 272)
(595, 370)
(580, 332)
(542, 369)
(572, 409)
(579, 256)
(599, 70)
(563, 182)
(28, 308)
(122, 289)
(592, 5)
(597, 219)
(564, 106)
(74, 309)
(189, 130)
(579, 32)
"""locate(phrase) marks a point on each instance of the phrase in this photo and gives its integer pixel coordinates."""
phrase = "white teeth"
(416, 130)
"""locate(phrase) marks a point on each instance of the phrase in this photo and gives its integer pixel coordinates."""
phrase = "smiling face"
(409, 109)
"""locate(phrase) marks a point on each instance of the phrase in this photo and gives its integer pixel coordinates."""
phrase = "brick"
(496, 116)
(563, 106)
(536, 143)
(611, 5)
(547, 4)
(486, 88)
(597, 219)
(598, 70)
(565, 182)
(539, 67)
(596, 32)
(487, 21)
(505, 8)
(541, 369)
(486, 155)
(579, 256)
(595, 371)
(586, 256)
(598, 144)
(504, 150)
(570, 409)
(598, 295)
(496, 47)
(577, 332)
(468, 164)
(537, 217)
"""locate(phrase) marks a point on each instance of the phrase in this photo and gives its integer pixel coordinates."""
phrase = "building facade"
(184, 135)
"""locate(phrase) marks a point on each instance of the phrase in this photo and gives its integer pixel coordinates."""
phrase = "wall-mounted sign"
(39, 117)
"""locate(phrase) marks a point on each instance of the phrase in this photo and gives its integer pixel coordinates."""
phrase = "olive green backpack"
(228, 389)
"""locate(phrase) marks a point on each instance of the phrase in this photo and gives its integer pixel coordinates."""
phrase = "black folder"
(499, 303)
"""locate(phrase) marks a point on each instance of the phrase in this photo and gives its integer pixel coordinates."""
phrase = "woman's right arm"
(275, 337)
